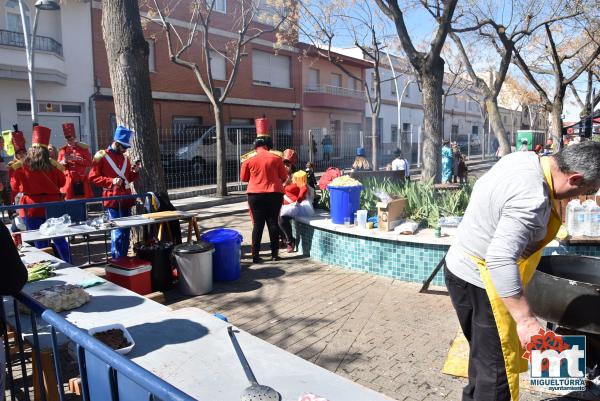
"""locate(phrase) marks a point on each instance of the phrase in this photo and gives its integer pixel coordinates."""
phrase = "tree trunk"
(557, 109)
(127, 53)
(221, 151)
(374, 161)
(497, 126)
(432, 80)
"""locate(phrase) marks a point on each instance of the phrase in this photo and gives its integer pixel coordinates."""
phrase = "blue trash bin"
(343, 202)
(226, 258)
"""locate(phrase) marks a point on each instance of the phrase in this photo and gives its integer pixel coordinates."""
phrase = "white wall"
(77, 64)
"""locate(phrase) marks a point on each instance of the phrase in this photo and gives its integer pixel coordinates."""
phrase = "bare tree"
(429, 67)
(323, 21)
(246, 23)
(561, 54)
(504, 33)
(127, 52)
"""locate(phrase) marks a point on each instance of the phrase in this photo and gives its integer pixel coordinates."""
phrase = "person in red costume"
(18, 141)
(39, 178)
(264, 172)
(77, 160)
(112, 171)
(294, 194)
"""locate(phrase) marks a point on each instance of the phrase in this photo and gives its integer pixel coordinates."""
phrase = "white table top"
(121, 222)
(109, 303)
(191, 350)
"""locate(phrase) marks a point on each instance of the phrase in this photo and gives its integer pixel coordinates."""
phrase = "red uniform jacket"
(102, 175)
(294, 193)
(264, 172)
(37, 186)
(12, 165)
(76, 170)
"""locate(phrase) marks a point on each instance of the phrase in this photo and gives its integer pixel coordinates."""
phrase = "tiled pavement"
(376, 331)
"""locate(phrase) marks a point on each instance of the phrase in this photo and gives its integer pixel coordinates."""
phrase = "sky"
(421, 26)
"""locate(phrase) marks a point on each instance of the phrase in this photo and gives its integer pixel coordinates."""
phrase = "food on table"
(62, 297)
(39, 270)
(345, 181)
(114, 338)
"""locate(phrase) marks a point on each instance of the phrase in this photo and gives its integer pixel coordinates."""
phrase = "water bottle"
(587, 206)
(593, 221)
(571, 215)
(578, 220)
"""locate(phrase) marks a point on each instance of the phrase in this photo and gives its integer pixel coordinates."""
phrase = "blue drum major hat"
(360, 151)
(123, 136)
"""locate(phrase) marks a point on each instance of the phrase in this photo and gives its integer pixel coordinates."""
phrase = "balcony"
(42, 43)
(333, 97)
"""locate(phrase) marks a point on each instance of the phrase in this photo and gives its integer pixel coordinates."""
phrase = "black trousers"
(487, 372)
(285, 223)
(265, 208)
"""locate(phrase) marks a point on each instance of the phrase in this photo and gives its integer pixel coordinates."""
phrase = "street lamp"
(29, 39)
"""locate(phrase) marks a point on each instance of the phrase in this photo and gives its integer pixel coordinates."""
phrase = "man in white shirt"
(400, 164)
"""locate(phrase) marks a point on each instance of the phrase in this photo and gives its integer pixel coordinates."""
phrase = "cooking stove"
(592, 347)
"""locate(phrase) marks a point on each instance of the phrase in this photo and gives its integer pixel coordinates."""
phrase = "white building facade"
(63, 69)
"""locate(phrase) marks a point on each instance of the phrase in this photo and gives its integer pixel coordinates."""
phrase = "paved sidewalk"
(376, 331)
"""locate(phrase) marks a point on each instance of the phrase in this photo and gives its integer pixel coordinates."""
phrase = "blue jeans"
(119, 238)
(61, 244)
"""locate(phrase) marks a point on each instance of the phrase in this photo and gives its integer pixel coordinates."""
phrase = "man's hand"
(526, 329)
(527, 324)
(117, 181)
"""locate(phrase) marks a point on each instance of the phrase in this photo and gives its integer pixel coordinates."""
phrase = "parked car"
(463, 143)
(195, 149)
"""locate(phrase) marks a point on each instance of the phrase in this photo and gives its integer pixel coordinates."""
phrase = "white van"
(195, 149)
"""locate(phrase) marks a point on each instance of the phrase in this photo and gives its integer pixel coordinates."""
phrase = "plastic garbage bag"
(383, 195)
(449, 221)
(409, 227)
(56, 225)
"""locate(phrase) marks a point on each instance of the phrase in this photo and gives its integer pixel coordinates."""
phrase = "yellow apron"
(507, 328)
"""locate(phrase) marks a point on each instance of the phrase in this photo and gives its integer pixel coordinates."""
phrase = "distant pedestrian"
(400, 163)
(447, 162)
(327, 144)
(524, 146)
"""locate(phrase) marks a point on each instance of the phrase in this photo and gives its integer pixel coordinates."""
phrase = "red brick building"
(268, 83)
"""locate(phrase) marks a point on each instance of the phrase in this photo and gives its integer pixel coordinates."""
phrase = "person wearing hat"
(447, 162)
(77, 160)
(400, 164)
(113, 172)
(360, 161)
(39, 178)
(265, 174)
(290, 160)
(20, 149)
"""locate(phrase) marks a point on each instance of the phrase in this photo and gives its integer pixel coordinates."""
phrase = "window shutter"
(280, 71)
(261, 66)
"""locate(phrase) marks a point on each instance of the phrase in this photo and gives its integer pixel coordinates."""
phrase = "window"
(217, 65)
(394, 137)
(270, 69)
(22, 106)
(71, 108)
(406, 130)
(373, 82)
(185, 125)
(13, 16)
(314, 78)
(393, 87)
(407, 90)
(352, 83)
(474, 130)
(241, 121)
(454, 132)
(112, 122)
(220, 6)
(336, 80)
(151, 56)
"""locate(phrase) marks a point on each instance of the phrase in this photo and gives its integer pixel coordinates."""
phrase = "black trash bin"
(159, 254)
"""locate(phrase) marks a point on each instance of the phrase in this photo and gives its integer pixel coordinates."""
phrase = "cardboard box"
(390, 214)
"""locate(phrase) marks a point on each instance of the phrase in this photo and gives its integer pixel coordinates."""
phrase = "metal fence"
(105, 375)
(189, 154)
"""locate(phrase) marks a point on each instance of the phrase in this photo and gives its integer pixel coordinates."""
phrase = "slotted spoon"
(256, 392)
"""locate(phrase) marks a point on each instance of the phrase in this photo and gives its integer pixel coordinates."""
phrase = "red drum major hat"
(18, 140)
(263, 127)
(41, 136)
(69, 130)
